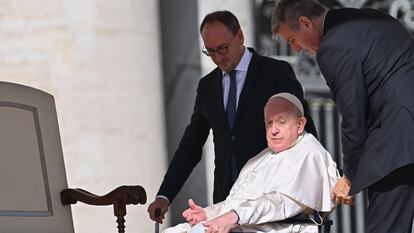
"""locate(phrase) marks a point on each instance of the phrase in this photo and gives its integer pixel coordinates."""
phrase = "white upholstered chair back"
(32, 171)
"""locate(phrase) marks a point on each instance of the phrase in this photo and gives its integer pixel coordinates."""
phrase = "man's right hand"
(161, 204)
(194, 214)
(340, 192)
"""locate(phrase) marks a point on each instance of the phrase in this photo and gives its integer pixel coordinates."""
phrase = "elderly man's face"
(283, 125)
(216, 36)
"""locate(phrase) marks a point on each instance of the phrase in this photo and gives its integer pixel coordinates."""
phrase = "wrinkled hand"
(340, 192)
(162, 205)
(222, 224)
(194, 214)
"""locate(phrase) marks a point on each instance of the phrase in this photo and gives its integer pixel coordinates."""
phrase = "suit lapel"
(252, 77)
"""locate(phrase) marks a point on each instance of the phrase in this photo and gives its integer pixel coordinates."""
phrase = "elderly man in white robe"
(294, 175)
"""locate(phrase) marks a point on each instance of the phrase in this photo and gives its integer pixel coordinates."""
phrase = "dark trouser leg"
(391, 203)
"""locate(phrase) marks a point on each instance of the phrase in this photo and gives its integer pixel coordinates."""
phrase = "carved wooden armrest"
(119, 198)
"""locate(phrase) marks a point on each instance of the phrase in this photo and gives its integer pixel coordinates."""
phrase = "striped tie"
(231, 110)
(231, 107)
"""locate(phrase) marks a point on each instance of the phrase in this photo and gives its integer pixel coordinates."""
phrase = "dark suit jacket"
(265, 77)
(367, 59)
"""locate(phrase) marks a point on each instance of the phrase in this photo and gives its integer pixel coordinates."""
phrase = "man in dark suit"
(230, 101)
(367, 59)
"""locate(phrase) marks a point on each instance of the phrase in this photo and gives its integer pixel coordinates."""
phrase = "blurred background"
(124, 75)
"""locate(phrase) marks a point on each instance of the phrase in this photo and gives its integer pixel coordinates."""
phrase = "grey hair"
(289, 11)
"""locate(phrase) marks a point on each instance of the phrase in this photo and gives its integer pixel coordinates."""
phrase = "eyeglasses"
(222, 49)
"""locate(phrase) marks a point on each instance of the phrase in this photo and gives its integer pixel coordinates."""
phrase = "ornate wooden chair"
(33, 189)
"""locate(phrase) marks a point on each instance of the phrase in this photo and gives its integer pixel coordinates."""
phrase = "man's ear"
(301, 124)
(306, 22)
(240, 35)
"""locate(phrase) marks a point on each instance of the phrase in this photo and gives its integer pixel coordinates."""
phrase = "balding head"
(291, 103)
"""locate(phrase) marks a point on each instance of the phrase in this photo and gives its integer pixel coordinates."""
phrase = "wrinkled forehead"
(284, 32)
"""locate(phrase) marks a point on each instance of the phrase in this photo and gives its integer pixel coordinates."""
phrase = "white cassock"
(275, 186)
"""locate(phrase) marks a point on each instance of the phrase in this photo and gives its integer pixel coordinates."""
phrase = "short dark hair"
(289, 11)
(225, 17)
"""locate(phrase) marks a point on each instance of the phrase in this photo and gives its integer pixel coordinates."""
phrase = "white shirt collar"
(244, 61)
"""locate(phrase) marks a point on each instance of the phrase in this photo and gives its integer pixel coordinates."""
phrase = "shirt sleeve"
(213, 211)
(188, 153)
(269, 207)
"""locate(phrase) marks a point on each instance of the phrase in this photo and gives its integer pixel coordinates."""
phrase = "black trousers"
(391, 203)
